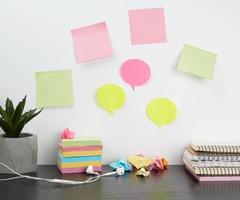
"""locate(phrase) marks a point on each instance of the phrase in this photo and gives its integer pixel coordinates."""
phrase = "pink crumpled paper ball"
(159, 164)
(67, 134)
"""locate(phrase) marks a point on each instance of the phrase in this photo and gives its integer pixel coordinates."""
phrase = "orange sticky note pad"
(147, 26)
(91, 42)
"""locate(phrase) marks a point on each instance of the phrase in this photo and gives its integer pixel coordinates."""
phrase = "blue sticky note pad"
(79, 159)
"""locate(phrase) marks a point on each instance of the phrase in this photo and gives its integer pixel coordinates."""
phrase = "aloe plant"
(12, 120)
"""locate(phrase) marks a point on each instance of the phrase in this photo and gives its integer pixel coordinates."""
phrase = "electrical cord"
(61, 181)
(119, 171)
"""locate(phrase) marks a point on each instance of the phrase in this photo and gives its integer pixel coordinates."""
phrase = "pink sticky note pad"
(91, 42)
(147, 26)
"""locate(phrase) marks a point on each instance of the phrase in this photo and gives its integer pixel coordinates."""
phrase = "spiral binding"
(219, 157)
(218, 171)
(217, 148)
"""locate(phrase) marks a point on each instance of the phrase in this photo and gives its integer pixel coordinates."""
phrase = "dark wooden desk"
(174, 183)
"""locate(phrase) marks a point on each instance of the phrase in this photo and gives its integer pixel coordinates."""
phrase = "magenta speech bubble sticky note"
(135, 72)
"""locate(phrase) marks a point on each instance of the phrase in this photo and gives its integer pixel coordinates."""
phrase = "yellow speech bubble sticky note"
(110, 97)
(161, 111)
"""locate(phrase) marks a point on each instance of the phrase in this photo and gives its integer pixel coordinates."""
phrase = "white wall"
(35, 35)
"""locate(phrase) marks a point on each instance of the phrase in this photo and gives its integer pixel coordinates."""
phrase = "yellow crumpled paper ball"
(143, 172)
(139, 161)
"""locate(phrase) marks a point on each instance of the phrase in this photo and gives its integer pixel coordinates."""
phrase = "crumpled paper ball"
(121, 163)
(140, 161)
(159, 164)
(143, 172)
(67, 134)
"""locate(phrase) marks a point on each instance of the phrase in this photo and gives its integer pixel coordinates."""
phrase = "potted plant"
(18, 150)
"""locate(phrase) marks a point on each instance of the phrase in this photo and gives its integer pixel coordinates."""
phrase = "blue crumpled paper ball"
(121, 163)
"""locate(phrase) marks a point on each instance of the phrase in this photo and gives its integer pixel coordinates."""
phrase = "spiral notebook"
(202, 156)
(213, 170)
(216, 148)
(213, 162)
(207, 178)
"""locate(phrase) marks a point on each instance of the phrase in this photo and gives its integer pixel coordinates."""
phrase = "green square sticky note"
(54, 88)
(197, 61)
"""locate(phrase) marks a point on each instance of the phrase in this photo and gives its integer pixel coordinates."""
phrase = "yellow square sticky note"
(197, 61)
(54, 88)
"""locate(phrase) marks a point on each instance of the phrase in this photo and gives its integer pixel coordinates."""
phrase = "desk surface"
(174, 183)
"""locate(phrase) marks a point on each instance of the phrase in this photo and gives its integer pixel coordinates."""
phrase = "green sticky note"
(197, 61)
(54, 88)
(82, 141)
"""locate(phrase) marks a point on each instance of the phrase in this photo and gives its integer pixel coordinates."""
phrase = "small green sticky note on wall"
(54, 88)
(197, 61)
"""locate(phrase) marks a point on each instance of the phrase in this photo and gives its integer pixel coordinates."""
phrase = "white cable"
(119, 171)
(9, 179)
(69, 182)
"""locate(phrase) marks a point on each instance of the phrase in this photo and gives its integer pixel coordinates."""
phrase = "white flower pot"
(19, 153)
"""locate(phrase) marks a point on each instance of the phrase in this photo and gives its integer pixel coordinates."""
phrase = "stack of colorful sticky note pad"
(75, 155)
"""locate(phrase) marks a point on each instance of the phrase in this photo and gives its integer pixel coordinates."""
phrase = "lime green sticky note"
(54, 88)
(110, 97)
(161, 111)
(197, 61)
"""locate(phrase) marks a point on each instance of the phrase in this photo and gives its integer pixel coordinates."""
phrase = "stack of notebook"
(213, 162)
(75, 155)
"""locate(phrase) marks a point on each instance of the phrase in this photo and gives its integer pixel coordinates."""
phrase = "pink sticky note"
(147, 26)
(91, 42)
(135, 72)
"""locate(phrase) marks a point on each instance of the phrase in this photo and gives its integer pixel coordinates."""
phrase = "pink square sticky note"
(147, 26)
(91, 42)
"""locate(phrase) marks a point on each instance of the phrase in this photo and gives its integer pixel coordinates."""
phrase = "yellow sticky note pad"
(54, 88)
(140, 161)
(80, 153)
(110, 97)
(196, 61)
(79, 164)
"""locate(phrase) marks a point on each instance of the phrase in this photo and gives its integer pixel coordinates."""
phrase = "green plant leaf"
(12, 120)
(9, 107)
(18, 128)
(31, 116)
(25, 118)
(18, 111)
(4, 114)
(6, 127)
(30, 112)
